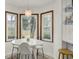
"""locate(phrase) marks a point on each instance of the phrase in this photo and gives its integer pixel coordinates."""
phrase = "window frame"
(8, 12)
(51, 11)
(37, 24)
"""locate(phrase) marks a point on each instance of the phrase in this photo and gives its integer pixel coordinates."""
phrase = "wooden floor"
(39, 57)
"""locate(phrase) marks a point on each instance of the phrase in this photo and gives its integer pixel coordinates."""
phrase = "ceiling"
(32, 3)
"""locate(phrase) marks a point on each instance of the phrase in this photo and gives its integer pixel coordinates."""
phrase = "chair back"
(24, 48)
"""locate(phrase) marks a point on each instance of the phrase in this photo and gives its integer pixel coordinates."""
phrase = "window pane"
(11, 26)
(47, 26)
(29, 26)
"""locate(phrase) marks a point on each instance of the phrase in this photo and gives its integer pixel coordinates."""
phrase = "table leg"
(59, 56)
(34, 52)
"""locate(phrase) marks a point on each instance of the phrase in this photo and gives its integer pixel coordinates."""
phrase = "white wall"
(67, 29)
(68, 33)
(51, 49)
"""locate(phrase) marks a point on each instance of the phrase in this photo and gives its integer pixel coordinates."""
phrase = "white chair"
(8, 49)
(14, 47)
(25, 49)
(38, 47)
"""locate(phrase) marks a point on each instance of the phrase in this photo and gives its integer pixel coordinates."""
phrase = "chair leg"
(59, 56)
(19, 56)
(17, 53)
(37, 53)
(72, 56)
(28, 56)
(67, 56)
(33, 55)
(12, 53)
(62, 56)
(25, 57)
(43, 53)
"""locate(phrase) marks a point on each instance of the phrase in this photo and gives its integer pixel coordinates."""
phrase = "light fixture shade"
(28, 12)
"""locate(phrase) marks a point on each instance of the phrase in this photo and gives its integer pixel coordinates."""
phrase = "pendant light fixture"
(28, 12)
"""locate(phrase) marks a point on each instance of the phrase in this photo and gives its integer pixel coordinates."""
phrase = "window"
(11, 26)
(46, 26)
(29, 26)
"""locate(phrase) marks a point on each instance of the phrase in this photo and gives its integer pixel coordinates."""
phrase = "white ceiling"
(32, 3)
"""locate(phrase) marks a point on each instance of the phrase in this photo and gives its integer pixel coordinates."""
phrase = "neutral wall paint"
(67, 29)
(51, 49)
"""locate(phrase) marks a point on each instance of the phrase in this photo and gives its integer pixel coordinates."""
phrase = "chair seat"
(66, 51)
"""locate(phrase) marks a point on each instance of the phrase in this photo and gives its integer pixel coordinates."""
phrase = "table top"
(31, 42)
